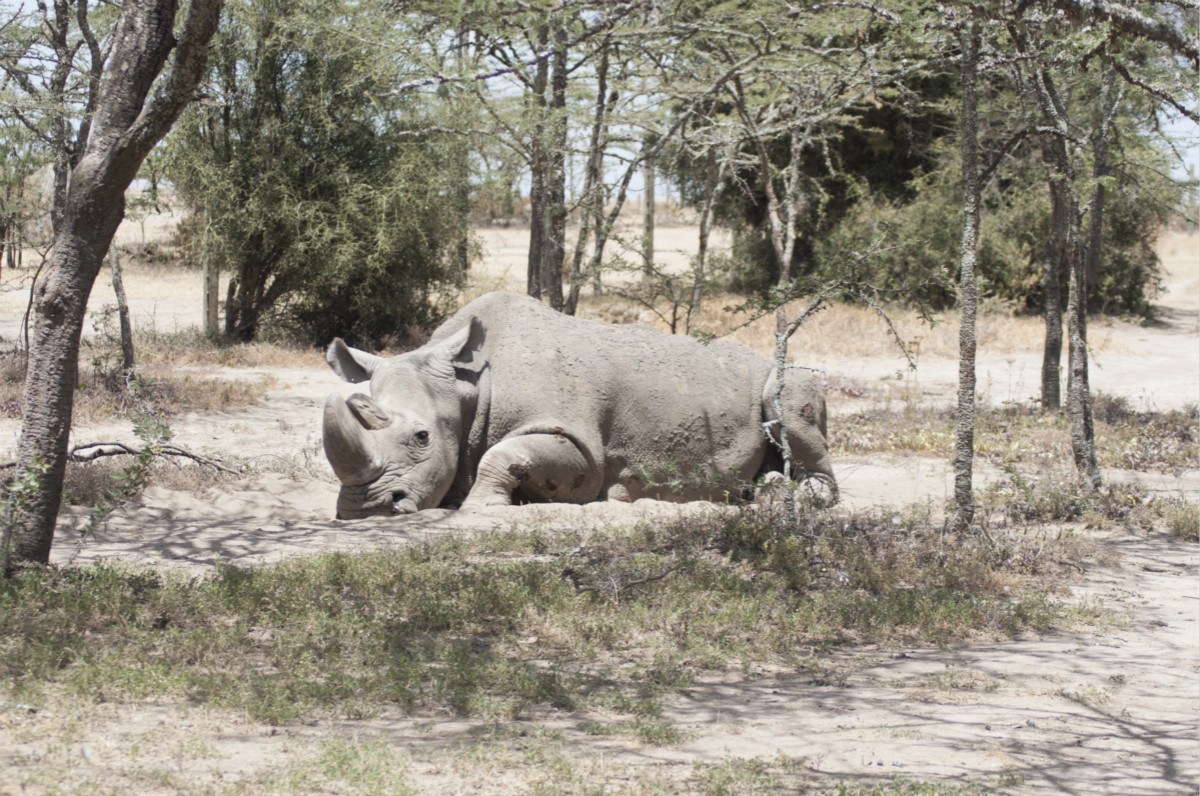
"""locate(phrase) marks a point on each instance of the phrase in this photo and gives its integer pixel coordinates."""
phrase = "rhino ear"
(350, 363)
(462, 347)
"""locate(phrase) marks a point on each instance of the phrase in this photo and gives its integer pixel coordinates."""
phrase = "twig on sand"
(90, 451)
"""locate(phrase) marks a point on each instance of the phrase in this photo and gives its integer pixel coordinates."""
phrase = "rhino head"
(396, 451)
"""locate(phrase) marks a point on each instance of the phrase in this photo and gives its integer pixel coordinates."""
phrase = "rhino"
(511, 401)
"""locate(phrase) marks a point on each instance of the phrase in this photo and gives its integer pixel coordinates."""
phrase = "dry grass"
(844, 330)
(191, 348)
(159, 388)
(1147, 441)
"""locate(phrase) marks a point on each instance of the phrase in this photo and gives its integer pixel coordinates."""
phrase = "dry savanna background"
(213, 630)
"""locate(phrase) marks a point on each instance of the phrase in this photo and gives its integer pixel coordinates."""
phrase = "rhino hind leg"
(804, 417)
(540, 468)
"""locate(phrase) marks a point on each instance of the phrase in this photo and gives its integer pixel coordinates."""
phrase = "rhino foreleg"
(534, 467)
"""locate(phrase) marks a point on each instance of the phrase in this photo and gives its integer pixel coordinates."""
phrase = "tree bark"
(647, 213)
(123, 323)
(554, 243)
(1065, 232)
(714, 182)
(1052, 296)
(125, 127)
(964, 446)
(1079, 399)
(1100, 169)
(592, 181)
(538, 167)
(211, 289)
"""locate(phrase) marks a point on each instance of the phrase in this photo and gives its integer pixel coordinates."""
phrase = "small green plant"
(1182, 518)
(17, 494)
(154, 432)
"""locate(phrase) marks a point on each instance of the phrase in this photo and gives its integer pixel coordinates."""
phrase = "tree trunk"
(538, 168)
(126, 126)
(537, 222)
(1079, 400)
(554, 243)
(1100, 169)
(1051, 294)
(118, 284)
(592, 181)
(212, 292)
(462, 205)
(714, 182)
(598, 203)
(647, 213)
(964, 446)
(1065, 233)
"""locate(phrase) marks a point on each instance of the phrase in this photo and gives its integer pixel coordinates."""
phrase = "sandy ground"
(1112, 712)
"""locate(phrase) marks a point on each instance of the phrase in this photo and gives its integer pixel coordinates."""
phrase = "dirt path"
(1111, 712)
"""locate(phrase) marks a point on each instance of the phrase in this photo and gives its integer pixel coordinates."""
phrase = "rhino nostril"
(399, 495)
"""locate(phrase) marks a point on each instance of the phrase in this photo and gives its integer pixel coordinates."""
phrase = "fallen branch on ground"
(90, 451)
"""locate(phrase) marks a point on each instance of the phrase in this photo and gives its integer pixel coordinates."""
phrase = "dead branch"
(90, 451)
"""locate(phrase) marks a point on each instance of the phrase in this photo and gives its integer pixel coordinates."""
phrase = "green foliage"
(925, 228)
(311, 182)
(890, 169)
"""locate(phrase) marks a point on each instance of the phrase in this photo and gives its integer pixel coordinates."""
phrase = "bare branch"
(1131, 21)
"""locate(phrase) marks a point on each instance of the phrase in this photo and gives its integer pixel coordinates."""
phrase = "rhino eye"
(422, 437)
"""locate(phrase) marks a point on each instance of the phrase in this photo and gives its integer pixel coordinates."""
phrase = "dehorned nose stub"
(348, 446)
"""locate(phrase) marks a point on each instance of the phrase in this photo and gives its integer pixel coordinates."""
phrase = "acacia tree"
(126, 123)
(1114, 28)
(817, 68)
(330, 206)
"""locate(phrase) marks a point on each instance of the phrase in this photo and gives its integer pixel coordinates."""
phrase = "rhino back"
(639, 398)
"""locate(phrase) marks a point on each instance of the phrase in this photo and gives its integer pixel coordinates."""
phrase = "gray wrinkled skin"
(512, 401)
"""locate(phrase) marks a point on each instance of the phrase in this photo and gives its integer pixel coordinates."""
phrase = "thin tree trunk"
(211, 289)
(598, 203)
(1079, 403)
(964, 446)
(462, 205)
(538, 166)
(714, 182)
(1100, 169)
(781, 216)
(555, 211)
(647, 212)
(593, 176)
(1052, 296)
(1066, 221)
(118, 284)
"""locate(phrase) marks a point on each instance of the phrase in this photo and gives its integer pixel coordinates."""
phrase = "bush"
(926, 231)
(311, 183)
